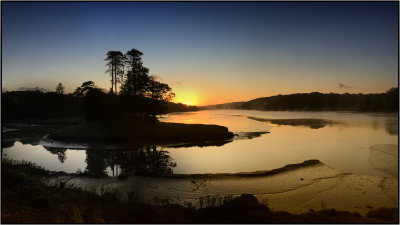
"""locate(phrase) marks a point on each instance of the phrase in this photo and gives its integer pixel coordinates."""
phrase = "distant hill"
(315, 101)
(231, 105)
(179, 107)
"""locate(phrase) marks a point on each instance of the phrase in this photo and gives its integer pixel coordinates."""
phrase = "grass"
(65, 120)
(31, 131)
(310, 122)
(27, 199)
(139, 131)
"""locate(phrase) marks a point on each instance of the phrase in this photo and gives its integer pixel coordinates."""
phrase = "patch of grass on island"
(142, 131)
(309, 122)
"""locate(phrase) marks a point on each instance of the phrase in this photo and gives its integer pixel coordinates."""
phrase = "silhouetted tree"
(96, 165)
(146, 159)
(60, 88)
(95, 102)
(392, 98)
(137, 75)
(159, 91)
(148, 93)
(115, 62)
(84, 88)
(60, 152)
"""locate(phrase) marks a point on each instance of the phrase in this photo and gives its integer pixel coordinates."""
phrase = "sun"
(187, 103)
(187, 98)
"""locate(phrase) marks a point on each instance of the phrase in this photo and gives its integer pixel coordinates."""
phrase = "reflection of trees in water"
(96, 162)
(60, 152)
(391, 126)
(111, 161)
(25, 135)
(145, 160)
(138, 160)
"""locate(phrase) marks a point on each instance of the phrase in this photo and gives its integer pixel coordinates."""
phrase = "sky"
(208, 52)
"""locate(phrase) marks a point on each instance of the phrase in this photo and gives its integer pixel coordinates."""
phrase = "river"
(344, 144)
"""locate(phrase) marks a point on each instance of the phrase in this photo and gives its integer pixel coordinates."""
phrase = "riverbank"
(27, 199)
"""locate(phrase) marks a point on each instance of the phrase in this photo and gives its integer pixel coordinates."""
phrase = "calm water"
(345, 145)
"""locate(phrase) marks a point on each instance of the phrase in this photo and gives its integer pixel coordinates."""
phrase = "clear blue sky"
(207, 52)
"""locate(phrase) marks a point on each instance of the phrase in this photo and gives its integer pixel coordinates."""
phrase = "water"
(344, 145)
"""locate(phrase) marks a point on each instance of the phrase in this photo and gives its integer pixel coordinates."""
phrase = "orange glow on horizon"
(209, 95)
(187, 98)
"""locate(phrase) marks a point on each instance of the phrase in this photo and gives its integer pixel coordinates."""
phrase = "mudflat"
(295, 188)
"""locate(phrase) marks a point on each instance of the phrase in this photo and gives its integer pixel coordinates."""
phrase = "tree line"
(136, 81)
(140, 95)
(315, 101)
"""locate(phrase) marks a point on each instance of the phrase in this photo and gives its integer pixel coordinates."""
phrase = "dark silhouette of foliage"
(159, 91)
(84, 88)
(139, 83)
(392, 98)
(94, 102)
(96, 165)
(115, 62)
(137, 75)
(146, 159)
(60, 152)
(95, 105)
(141, 95)
(139, 159)
(35, 104)
(60, 88)
(179, 107)
(315, 101)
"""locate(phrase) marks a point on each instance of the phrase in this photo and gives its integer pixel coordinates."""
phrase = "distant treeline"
(96, 105)
(315, 101)
(36, 104)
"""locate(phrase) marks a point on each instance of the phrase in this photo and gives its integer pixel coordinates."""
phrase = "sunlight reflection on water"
(345, 145)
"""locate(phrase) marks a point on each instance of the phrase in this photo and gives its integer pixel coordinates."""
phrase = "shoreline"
(295, 188)
(64, 203)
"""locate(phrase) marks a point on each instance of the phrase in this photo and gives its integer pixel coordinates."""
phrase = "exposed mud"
(385, 158)
(294, 188)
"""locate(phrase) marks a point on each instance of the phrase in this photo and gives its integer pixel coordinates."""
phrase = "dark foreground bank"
(27, 199)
